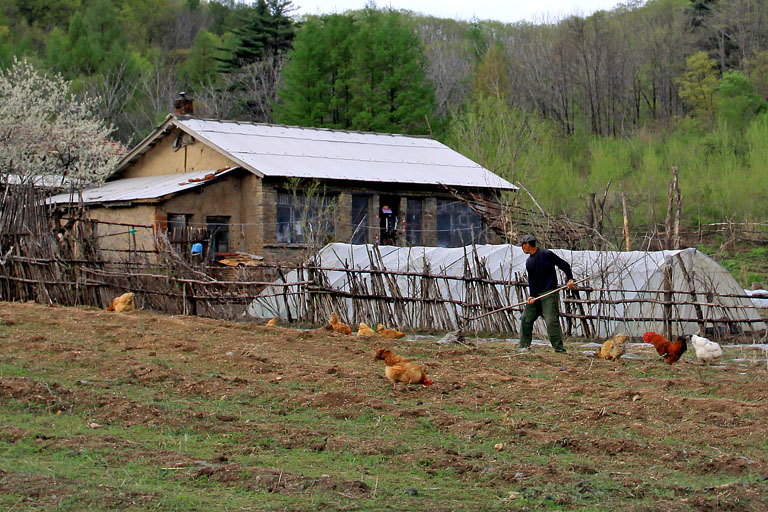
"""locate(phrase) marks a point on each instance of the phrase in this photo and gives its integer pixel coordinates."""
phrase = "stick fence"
(37, 264)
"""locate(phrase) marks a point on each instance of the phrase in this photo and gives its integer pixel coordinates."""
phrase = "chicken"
(400, 369)
(614, 348)
(671, 351)
(339, 326)
(388, 333)
(272, 323)
(706, 350)
(364, 331)
(122, 303)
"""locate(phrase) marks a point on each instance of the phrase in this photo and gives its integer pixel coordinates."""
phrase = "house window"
(302, 219)
(458, 225)
(360, 205)
(218, 233)
(413, 222)
(177, 226)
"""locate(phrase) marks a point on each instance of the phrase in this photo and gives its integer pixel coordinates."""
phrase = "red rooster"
(671, 351)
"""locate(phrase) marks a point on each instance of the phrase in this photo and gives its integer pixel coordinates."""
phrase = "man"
(542, 278)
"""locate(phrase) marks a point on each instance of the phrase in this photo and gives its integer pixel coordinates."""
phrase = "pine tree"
(364, 72)
(82, 58)
(390, 89)
(266, 31)
(316, 78)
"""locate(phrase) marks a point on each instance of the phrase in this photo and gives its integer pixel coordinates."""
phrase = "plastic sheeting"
(624, 277)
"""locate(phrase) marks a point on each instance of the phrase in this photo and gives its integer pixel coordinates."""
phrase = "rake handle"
(524, 302)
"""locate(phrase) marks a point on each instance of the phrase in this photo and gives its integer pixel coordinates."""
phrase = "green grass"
(747, 264)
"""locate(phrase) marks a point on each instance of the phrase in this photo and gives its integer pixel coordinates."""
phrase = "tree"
(46, 13)
(737, 28)
(501, 138)
(758, 72)
(200, 66)
(267, 31)
(315, 89)
(46, 132)
(698, 85)
(363, 72)
(738, 102)
(80, 56)
(251, 57)
(390, 91)
(491, 76)
(450, 62)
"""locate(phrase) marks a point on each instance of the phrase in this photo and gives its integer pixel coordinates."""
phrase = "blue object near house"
(197, 249)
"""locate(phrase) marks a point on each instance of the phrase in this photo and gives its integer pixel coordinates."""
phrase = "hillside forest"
(574, 109)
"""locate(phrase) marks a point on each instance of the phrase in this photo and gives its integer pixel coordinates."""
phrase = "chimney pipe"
(183, 106)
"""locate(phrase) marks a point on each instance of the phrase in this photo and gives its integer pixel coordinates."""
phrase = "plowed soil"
(681, 437)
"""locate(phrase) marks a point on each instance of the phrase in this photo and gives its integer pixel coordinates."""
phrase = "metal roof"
(149, 187)
(288, 151)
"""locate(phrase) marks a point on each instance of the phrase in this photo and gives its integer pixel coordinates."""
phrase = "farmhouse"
(274, 190)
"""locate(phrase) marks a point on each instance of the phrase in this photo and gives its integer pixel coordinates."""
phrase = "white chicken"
(706, 350)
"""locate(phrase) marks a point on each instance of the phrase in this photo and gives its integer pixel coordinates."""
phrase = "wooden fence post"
(626, 220)
(692, 287)
(668, 296)
(674, 205)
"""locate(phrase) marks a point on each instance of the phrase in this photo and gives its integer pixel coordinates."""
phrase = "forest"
(580, 110)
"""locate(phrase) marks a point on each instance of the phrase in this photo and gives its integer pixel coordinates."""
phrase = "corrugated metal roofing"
(150, 187)
(287, 151)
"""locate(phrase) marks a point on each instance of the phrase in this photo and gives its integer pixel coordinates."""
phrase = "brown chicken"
(671, 351)
(364, 331)
(272, 323)
(339, 326)
(400, 369)
(388, 333)
(122, 303)
(614, 348)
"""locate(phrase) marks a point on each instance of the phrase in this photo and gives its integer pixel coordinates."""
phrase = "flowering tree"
(47, 132)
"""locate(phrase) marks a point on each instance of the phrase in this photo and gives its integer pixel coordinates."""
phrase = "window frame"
(454, 235)
(294, 217)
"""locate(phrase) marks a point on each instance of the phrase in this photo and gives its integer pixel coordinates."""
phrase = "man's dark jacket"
(541, 271)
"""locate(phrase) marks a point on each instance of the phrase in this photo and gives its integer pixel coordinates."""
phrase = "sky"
(507, 11)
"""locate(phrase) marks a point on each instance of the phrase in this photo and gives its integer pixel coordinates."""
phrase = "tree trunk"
(626, 221)
(674, 205)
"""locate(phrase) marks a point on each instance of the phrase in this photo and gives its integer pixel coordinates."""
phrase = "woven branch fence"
(37, 263)
(427, 299)
(376, 296)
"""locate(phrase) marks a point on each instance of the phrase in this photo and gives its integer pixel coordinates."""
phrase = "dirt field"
(149, 412)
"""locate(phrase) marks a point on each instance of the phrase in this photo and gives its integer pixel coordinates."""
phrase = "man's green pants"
(548, 307)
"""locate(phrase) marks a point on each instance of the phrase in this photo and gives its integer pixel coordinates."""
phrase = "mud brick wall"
(343, 192)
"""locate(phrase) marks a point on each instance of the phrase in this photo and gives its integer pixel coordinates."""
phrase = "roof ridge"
(316, 128)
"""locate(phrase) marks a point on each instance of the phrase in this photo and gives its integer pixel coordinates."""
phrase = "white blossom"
(47, 131)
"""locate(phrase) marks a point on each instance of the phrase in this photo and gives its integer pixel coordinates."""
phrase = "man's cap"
(527, 239)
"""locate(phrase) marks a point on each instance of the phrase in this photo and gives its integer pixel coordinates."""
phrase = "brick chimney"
(183, 106)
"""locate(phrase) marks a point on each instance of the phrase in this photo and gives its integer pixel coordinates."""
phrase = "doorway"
(388, 218)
